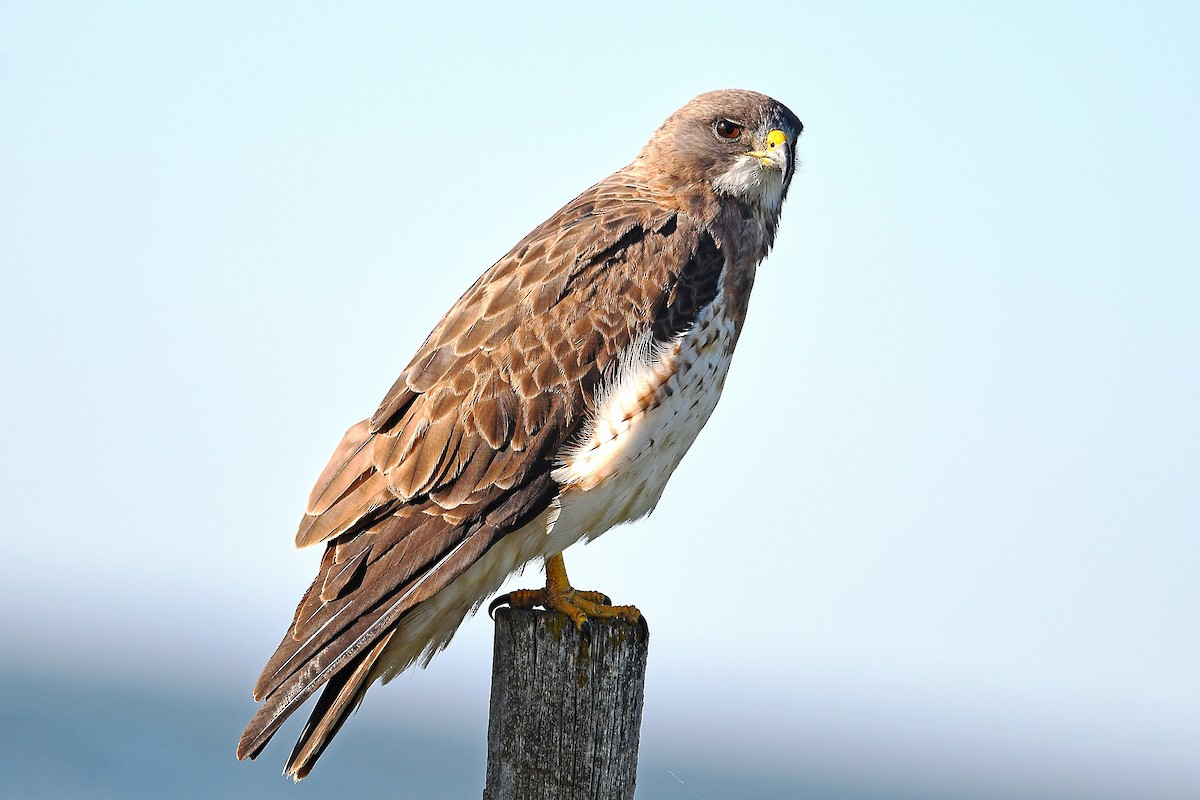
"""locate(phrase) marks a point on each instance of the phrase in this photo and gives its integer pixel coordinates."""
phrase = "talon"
(581, 607)
(643, 625)
(492, 606)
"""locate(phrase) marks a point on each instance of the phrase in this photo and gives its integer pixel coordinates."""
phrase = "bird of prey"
(551, 403)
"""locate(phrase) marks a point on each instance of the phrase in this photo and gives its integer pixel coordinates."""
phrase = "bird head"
(740, 143)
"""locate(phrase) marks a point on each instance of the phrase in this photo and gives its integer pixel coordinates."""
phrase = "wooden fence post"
(566, 712)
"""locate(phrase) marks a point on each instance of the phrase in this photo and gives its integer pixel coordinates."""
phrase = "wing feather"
(345, 467)
(353, 509)
(344, 575)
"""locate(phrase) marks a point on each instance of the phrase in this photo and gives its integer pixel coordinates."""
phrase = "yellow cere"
(774, 139)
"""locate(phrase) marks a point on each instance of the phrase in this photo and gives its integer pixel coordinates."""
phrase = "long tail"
(339, 699)
(337, 702)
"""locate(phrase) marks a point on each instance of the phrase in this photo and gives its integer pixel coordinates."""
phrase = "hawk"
(551, 403)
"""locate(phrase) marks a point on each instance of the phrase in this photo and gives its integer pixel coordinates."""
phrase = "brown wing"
(461, 449)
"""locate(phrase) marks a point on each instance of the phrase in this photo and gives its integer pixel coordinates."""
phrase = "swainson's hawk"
(551, 403)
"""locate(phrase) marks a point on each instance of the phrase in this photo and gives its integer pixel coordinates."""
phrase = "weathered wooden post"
(566, 710)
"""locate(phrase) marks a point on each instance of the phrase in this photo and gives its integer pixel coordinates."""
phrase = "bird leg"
(580, 606)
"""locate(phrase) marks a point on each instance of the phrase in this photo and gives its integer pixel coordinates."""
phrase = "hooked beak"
(775, 152)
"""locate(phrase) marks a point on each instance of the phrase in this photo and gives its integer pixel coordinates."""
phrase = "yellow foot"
(578, 605)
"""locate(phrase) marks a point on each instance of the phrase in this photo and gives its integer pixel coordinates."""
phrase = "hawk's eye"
(728, 130)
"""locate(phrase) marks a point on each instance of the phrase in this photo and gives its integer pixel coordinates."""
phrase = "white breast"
(646, 418)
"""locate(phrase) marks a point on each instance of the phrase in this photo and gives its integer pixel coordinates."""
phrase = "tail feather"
(353, 675)
(337, 702)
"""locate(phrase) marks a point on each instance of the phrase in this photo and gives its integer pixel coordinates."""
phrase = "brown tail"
(340, 697)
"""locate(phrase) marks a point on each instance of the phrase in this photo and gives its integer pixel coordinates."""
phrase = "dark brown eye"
(728, 130)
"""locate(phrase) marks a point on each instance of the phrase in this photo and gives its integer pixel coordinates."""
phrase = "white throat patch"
(749, 180)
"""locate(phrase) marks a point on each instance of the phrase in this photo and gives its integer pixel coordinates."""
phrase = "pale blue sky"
(940, 533)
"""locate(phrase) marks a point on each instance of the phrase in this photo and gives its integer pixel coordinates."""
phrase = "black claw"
(499, 601)
(607, 600)
(645, 626)
(586, 630)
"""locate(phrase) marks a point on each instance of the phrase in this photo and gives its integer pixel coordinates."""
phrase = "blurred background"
(938, 541)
